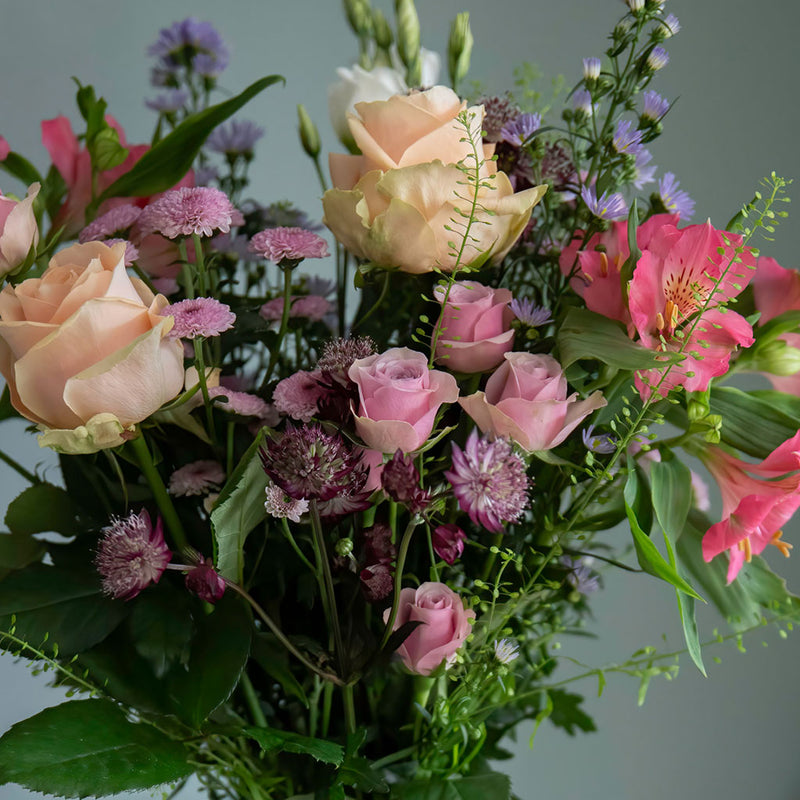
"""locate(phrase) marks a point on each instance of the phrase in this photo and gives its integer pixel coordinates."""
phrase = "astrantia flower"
(113, 223)
(598, 442)
(657, 59)
(204, 581)
(519, 130)
(279, 505)
(498, 111)
(132, 554)
(199, 477)
(400, 481)
(506, 650)
(448, 542)
(288, 245)
(298, 395)
(675, 200)
(626, 140)
(529, 314)
(168, 102)
(199, 316)
(237, 138)
(242, 403)
(338, 355)
(591, 68)
(489, 481)
(607, 206)
(197, 210)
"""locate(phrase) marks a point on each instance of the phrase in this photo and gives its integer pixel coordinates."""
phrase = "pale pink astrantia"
(489, 481)
(199, 317)
(114, 222)
(298, 395)
(131, 555)
(198, 477)
(281, 506)
(187, 211)
(288, 245)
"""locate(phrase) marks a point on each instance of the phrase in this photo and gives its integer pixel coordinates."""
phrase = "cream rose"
(395, 203)
(84, 349)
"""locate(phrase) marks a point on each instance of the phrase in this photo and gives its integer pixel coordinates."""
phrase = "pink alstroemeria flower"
(597, 269)
(674, 279)
(757, 500)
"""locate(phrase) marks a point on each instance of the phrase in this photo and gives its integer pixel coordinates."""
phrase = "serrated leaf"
(490, 786)
(42, 508)
(161, 167)
(566, 712)
(274, 740)
(88, 748)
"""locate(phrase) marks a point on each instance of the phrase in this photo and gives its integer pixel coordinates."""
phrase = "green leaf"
(17, 551)
(219, 652)
(358, 772)
(567, 714)
(88, 748)
(586, 335)
(650, 559)
(671, 492)
(273, 658)
(161, 167)
(272, 740)
(626, 273)
(751, 423)
(490, 786)
(21, 169)
(62, 606)
(239, 509)
(42, 508)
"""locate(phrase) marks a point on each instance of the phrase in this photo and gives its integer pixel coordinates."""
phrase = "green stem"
(160, 494)
(251, 698)
(287, 532)
(186, 270)
(287, 302)
(15, 465)
(327, 702)
(488, 565)
(202, 379)
(200, 262)
(349, 708)
(398, 580)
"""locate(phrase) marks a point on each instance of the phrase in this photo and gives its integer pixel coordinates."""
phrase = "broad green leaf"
(219, 652)
(161, 167)
(61, 606)
(789, 404)
(490, 786)
(586, 335)
(765, 587)
(239, 509)
(88, 747)
(650, 559)
(42, 508)
(17, 551)
(750, 423)
(671, 492)
(274, 740)
(22, 169)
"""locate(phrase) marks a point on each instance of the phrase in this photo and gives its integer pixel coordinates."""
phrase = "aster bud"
(309, 135)
(408, 40)
(459, 48)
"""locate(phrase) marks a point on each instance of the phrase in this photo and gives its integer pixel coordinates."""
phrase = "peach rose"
(475, 327)
(398, 399)
(84, 349)
(18, 230)
(526, 400)
(394, 204)
(445, 626)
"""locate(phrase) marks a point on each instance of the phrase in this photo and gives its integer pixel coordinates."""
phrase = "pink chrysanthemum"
(191, 210)
(279, 505)
(242, 403)
(114, 222)
(489, 481)
(165, 286)
(311, 306)
(132, 554)
(298, 395)
(200, 316)
(131, 251)
(199, 477)
(288, 245)
(272, 310)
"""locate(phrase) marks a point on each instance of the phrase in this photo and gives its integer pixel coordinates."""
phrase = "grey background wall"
(735, 71)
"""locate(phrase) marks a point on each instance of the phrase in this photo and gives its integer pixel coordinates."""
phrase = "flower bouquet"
(331, 538)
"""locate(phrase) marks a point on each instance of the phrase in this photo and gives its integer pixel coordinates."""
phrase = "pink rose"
(526, 400)
(85, 351)
(398, 399)
(445, 626)
(18, 230)
(475, 327)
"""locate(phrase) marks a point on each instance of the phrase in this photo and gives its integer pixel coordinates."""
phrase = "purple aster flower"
(237, 138)
(204, 175)
(582, 102)
(209, 65)
(645, 172)
(607, 206)
(197, 210)
(626, 140)
(314, 284)
(489, 481)
(183, 42)
(655, 106)
(506, 650)
(591, 68)
(288, 245)
(114, 222)
(529, 314)
(400, 481)
(448, 543)
(670, 25)
(131, 555)
(498, 110)
(204, 581)
(242, 403)
(199, 316)
(675, 200)
(518, 131)
(168, 102)
(309, 463)
(657, 59)
(598, 443)
(199, 477)
(279, 505)
(580, 576)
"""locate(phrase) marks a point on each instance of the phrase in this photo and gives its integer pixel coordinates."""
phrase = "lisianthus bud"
(382, 31)
(459, 48)
(309, 135)
(408, 40)
(359, 16)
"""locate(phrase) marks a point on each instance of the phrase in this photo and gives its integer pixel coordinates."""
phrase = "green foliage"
(566, 712)
(88, 747)
(19, 550)
(474, 787)
(42, 508)
(273, 740)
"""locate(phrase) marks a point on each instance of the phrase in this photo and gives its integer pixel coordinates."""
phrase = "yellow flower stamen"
(784, 547)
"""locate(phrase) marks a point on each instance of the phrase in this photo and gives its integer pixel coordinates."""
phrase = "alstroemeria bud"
(459, 48)
(309, 135)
